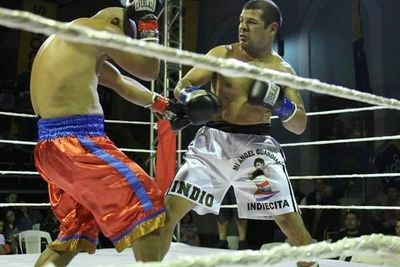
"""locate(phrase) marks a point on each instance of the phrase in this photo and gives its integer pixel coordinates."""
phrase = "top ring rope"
(376, 244)
(228, 67)
(24, 115)
(317, 113)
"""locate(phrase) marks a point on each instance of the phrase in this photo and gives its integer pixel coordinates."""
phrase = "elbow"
(298, 130)
(298, 126)
(301, 127)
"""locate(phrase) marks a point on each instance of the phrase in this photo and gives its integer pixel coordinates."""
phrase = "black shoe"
(242, 245)
(222, 244)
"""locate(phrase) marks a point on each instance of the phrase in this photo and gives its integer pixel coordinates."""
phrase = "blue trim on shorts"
(79, 125)
(77, 236)
(126, 232)
(122, 168)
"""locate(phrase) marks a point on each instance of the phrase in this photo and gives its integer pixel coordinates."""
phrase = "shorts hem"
(140, 230)
(75, 244)
(198, 208)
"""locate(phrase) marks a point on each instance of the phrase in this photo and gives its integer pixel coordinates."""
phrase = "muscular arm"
(197, 76)
(298, 123)
(140, 66)
(126, 87)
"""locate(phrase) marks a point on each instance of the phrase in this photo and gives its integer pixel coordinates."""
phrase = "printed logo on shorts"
(259, 178)
(192, 192)
(252, 153)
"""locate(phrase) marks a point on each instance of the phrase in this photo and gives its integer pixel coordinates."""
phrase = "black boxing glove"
(200, 105)
(179, 122)
(271, 96)
(144, 14)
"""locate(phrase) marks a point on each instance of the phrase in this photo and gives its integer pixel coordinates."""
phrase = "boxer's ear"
(115, 21)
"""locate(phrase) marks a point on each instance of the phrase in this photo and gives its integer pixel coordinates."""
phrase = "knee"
(177, 207)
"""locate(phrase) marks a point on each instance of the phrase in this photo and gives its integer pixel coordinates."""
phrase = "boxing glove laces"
(272, 96)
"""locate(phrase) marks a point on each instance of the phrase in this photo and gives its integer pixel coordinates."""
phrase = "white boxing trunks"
(253, 164)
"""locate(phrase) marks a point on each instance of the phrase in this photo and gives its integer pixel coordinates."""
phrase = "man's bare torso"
(233, 91)
(64, 79)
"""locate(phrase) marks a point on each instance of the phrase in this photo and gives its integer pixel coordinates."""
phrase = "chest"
(234, 87)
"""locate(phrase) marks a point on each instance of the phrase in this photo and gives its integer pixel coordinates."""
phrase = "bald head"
(109, 13)
(117, 16)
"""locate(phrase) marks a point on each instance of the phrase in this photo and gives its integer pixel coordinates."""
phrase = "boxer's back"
(64, 79)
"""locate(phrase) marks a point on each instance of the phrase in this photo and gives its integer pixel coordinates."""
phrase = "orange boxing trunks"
(93, 186)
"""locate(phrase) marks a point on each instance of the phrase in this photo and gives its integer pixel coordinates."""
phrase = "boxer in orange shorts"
(102, 187)
(92, 185)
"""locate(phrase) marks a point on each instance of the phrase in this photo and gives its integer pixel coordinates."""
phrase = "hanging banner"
(360, 58)
(166, 155)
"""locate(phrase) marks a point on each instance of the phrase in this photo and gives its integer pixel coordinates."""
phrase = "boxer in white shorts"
(235, 148)
(253, 164)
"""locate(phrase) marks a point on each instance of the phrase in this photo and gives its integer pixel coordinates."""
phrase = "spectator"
(27, 218)
(318, 220)
(384, 221)
(51, 225)
(4, 247)
(12, 198)
(189, 231)
(352, 226)
(11, 229)
(301, 198)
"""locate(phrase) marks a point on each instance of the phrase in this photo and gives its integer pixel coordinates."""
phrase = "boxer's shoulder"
(220, 51)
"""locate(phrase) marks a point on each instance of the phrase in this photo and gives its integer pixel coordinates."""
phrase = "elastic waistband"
(79, 125)
(256, 129)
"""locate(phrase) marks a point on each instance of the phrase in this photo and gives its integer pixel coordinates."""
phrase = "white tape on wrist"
(293, 114)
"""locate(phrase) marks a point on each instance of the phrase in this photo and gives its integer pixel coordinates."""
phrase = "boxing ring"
(384, 249)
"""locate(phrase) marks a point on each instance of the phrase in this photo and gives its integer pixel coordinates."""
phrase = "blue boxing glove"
(271, 96)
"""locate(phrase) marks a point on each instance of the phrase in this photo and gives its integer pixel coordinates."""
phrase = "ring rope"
(30, 143)
(375, 243)
(350, 207)
(19, 172)
(317, 113)
(228, 67)
(24, 204)
(307, 177)
(322, 142)
(330, 142)
(333, 207)
(326, 207)
(339, 111)
(14, 114)
(345, 176)
(341, 141)
(346, 110)
(24, 115)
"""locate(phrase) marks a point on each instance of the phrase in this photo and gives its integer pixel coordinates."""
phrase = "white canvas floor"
(110, 258)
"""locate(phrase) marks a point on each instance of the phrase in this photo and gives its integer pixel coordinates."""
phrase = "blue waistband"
(79, 125)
